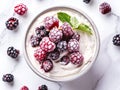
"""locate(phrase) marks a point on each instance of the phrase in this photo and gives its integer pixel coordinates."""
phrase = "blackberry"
(8, 78)
(64, 60)
(116, 40)
(12, 52)
(12, 23)
(35, 41)
(54, 55)
(76, 36)
(86, 1)
(62, 46)
(43, 87)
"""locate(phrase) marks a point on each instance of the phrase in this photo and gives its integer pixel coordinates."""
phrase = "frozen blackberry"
(24, 88)
(86, 1)
(64, 60)
(12, 23)
(43, 87)
(55, 35)
(35, 41)
(76, 36)
(105, 8)
(8, 78)
(116, 40)
(53, 55)
(62, 46)
(12, 52)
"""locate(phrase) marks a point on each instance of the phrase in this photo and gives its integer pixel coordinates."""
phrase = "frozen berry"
(62, 46)
(51, 22)
(43, 87)
(105, 8)
(64, 60)
(12, 52)
(54, 55)
(73, 45)
(20, 9)
(24, 88)
(8, 78)
(47, 65)
(76, 36)
(55, 35)
(39, 54)
(47, 45)
(35, 41)
(116, 40)
(12, 23)
(76, 58)
(86, 1)
(67, 30)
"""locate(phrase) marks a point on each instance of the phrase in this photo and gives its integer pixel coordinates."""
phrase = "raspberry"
(76, 36)
(76, 58)
(51, 22)
(55, 35)
(47, 65)
(47, 45)
(35, 41)
(116, 40)
(12, 52)
(86, 1)
(73, 45)
(54, 55)
(39, 54)
(64, 60)
(62, 46)
(20, 9)
(8, 78)
(24, 88)
(12, 23)
(43, 87)
(105, 8)
(67, 30)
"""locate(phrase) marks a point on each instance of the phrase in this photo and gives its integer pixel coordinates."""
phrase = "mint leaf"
(85, 28)
(74, 22)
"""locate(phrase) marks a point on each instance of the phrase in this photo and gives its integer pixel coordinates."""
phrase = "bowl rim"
(96, 52)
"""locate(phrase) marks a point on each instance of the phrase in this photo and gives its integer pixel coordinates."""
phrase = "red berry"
(47, 65)
(20, 9)
(51, 22)
(39, 54)
(47, 45)
(24, 88)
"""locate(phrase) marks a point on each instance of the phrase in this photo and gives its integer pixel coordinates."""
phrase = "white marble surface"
(105, 73)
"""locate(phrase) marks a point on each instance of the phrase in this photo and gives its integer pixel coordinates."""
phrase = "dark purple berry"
(116, 40)
(43, 87)
(86, 1)
(76, 36)
(53, 55)
(35, 41)
(62, 46)
(8, 78)
(64, 60)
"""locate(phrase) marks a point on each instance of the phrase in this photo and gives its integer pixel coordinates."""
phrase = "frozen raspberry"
(105, 8)
(47, 45)
(55, 35)
(86, 1)
(20, 9)
(73, 45)
(40, 55)
(8, 78)
(116, 40)
(24, 88)
(12, 52)
(76, 58)
(76, 36)
(53, 55)
(51, 22)
(62, 46)
(43, 87)
(12, 23)
(47, 65)
(67, 30)
(35, 41)
(64, 60)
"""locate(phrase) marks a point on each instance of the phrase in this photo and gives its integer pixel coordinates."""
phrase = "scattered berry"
(54, 55)
(12, 23)
(62, 46)
(105, 8)
(12, 52)
(116, 40)
(47, 65)
(76, 36)
(35, 41)
(47, 45)
(55, 35)
(73, 45)
(43, 87)
(51, 22)
(86, 1)
(64, 60)
(39, 55)
(76, 58)
(20, 9)
(24, 88)
(8, 78)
